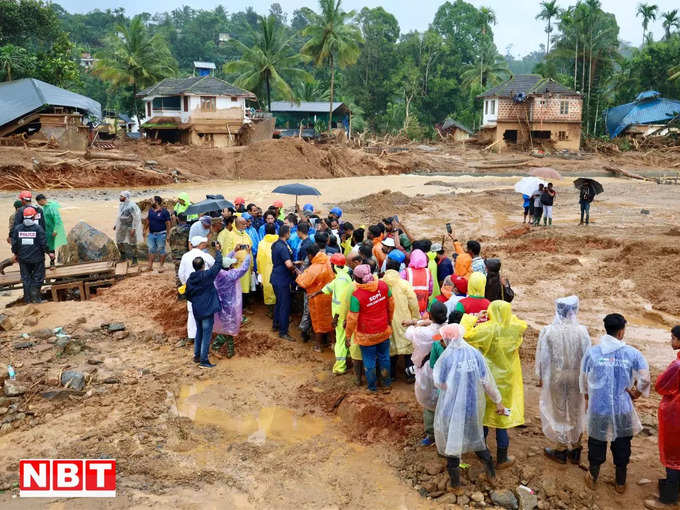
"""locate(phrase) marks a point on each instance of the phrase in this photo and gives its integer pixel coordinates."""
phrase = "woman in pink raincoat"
(228, 319)
(420, 278)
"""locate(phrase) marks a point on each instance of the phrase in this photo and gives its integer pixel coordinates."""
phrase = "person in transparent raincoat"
(421, 334)
(560, 350)
(228, 318)
(462, 376)
(613, 375)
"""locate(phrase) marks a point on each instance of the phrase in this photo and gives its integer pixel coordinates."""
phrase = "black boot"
(575, 456)
(358, 367)
(504, 460)
(230, 346)
(559, 456)
(668, 492)
(620, 482)
(452, 466)
(489, 467)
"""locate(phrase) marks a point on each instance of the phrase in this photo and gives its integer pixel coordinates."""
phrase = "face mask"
(28, 222)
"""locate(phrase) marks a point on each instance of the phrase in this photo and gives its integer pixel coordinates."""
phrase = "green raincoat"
(432, 266)
(54, 227)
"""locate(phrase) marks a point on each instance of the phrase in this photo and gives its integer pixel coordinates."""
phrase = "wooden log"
(619, 172)
(113, 157)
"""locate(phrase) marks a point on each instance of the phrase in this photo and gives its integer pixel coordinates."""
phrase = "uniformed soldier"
(29, 246)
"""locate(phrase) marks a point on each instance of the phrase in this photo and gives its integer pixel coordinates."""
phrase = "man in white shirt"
(186, 267)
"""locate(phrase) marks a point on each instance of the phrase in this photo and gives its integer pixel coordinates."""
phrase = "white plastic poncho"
(422, 338)
(608, 370)
(462, 375)
(560, 350)
(129, 218)
(186, 267)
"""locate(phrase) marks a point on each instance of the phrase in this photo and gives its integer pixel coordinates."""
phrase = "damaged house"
(530, 110)
(649, 115)
(43, 112)
(200, 110)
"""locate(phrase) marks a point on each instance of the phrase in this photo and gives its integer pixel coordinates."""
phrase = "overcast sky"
(516, 24)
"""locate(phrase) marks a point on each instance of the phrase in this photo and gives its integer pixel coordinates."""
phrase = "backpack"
(546, 199)
(507, 294)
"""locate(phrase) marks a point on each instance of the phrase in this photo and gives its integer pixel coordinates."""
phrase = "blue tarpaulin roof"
(648, 108)
(20, 97)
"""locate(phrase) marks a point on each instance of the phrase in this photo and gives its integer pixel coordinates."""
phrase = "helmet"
(25, 195)
(278, 204)
(337, 211)
(338, 259)
(29, 212)
(239, 201)
(308, 207)
(397, 256)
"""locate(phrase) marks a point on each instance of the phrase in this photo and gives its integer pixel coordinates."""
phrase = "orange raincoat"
(463, 262)
(314, 279)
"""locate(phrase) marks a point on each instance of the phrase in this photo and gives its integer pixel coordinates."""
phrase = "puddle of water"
(201, 403)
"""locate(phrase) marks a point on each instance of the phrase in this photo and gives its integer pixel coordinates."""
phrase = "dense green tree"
(58, 64)
(269, 63)
(648, 69)
(16, 62)
(134, 57)
(333, 41)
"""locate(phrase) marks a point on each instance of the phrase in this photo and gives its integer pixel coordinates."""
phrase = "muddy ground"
(271, 428)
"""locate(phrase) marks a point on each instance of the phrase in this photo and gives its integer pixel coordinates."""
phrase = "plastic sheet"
(422, 339)
(405, 308)
(228, 319)
(668, 385)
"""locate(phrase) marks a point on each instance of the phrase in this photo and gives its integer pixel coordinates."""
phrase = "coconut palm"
(549, 10)
(493, 71)
(133, 57)
(648, 13)
(333, 40)
(670, 21)
(269, 63)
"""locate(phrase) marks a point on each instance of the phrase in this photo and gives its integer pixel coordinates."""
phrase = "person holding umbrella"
(588, 188)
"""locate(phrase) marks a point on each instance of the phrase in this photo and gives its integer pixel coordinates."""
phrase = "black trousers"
(32, 277)
(597, 454)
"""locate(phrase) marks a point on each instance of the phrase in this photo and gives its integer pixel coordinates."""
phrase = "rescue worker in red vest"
(475, 302)
(371, 310)
(420, 278)
(29, 245)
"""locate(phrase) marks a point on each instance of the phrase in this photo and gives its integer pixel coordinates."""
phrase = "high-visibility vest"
(420, 281)
(373, 309)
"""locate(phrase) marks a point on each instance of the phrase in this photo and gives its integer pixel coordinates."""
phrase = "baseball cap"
(389, 242)
(436, 247)
(196, 240)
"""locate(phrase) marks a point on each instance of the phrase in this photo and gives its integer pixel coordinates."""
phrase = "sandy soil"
(271, 428)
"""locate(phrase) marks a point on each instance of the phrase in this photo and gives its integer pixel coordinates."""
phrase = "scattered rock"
(4, 401)
(477, 496)
(81, 320)
(73, 379)
(6, 323)
(53, 377)
(504, 498)
(151, 162)
(527, 498)
(5, 427)
(644, 211)
(111, 380)
(115, 326)
(68, 346)
(644, 481)
(120, 335)
(30, 321)
(30, 310)
(436, 494)
(549, 487)
(87, 244)
(42, 334)
(14, 388)
(94, 362)
(23, 345)
(434, 467)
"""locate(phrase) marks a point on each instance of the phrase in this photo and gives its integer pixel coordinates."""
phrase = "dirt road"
(271, 428)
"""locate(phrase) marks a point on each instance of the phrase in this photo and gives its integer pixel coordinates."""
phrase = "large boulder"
(87, 244)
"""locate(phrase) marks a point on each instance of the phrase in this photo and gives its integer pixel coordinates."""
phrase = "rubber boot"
(667, 499)
(504, 461)
(454, 474)
(575, 456)
(550, 221)
(591, 476)
(545, 221)
(122, 249)
(358, 367)
(489, 467)
(230, 346)
(559, 456)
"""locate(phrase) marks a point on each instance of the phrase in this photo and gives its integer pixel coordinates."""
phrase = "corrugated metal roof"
(649, 110)
(528, 84)
(204, 65)
(449, 122)
(305, 106)
(21, 97)
(207, 85)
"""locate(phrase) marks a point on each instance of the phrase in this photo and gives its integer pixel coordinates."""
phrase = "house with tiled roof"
(199, 110)
(528, 110)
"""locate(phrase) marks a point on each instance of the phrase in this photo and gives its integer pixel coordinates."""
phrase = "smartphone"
(212, 243)
(396, 218)
(449, 229)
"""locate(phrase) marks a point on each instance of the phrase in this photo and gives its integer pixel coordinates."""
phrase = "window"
(148, 109)
(186, 103)
(234, 99)
(562, 136)
(492, 107)
(172, 103)
(208, 104)
(564, 107)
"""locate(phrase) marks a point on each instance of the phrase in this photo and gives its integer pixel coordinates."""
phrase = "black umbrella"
(594, 185)
(297, 190)
(209, 205)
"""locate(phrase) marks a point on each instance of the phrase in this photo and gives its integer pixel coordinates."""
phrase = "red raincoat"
(668, 386)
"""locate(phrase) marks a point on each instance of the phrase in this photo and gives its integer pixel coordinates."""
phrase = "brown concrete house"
(529, 109)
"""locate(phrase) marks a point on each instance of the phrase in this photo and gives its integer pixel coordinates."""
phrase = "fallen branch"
(619, 172)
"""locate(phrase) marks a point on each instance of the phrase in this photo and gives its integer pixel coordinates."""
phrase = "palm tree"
(549, 10)
(332, 40)
(133, 57)
(494, 71)
(648, 13)
(670, 20)
(487, 17)
(268, 62)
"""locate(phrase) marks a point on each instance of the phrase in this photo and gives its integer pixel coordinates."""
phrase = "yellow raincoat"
(432, 266)
(340, 289)
(229, 239)
(499, 339)
(405, 308)
(265, 266)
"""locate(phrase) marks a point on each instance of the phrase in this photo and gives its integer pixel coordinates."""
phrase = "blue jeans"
(203, 336)
(282, 308)
(585, 211)
(502, 437)
(156, 242)
(380, 353)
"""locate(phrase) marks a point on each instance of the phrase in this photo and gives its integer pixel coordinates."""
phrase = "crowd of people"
(392, 306)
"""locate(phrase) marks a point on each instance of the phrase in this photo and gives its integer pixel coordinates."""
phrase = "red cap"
(460, 283)
(239, 201)
(28, 212)
(278, 204)
(338, 259)
(25, 195)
